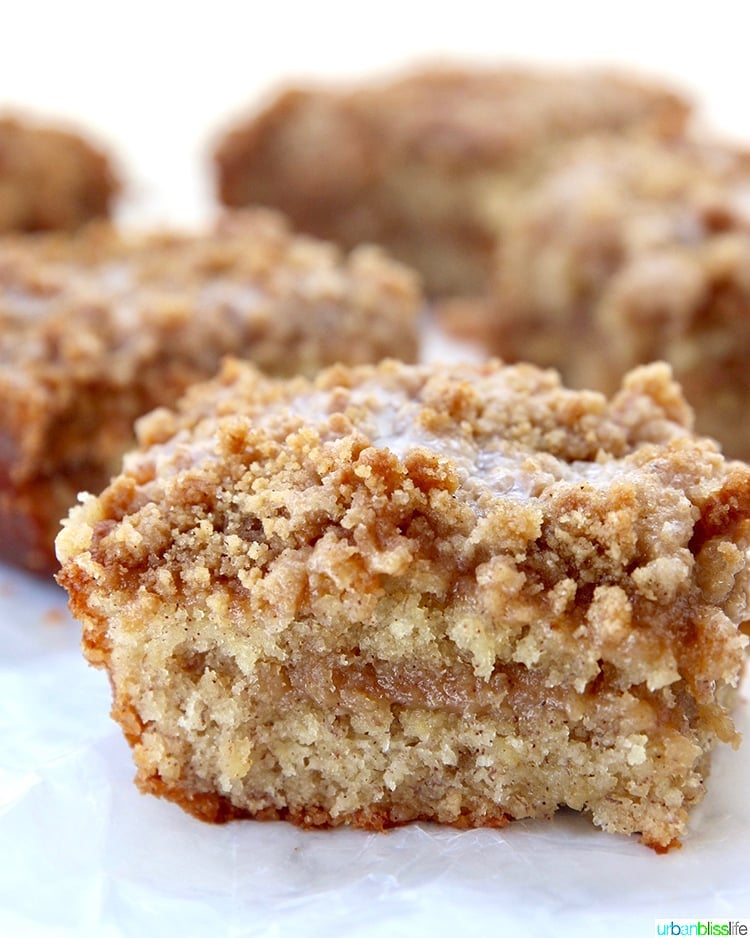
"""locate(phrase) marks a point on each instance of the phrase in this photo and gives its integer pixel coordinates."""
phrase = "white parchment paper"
(82, 853)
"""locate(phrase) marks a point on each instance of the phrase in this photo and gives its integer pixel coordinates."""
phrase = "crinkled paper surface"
(82, 853)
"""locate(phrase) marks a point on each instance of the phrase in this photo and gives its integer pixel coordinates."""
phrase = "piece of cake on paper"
(50, 178)
(628, 252)
(98, 328)
(458, 593)
(428, 164)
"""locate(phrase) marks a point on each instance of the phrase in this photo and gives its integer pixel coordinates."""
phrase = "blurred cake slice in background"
(51, 179)
(100, 327)
(427, 164)
(625, 252)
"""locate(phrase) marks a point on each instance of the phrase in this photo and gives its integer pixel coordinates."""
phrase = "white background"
(81, 853)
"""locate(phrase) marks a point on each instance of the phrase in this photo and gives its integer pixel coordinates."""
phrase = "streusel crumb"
(455, 593)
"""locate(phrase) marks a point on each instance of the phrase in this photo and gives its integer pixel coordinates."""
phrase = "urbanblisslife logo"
(706, 927)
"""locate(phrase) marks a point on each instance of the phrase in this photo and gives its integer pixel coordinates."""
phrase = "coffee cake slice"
(51, 179)
(428, 163)
(98, 328)
(462, 594)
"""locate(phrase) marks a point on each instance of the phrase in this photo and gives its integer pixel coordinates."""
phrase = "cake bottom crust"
(213, 808)
(217, 809)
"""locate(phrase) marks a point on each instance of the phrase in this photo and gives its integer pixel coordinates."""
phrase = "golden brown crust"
(627, 252)
(98, 328)
(217, 809)
(425, 164)
(51, 179)
(462, 594)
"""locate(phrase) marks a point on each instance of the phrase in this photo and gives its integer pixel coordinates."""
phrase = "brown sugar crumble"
(455, 593)
(51, 179)
(99, 327)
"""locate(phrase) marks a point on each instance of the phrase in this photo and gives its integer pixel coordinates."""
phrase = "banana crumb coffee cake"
(98, 328)
(455, 593)
(50, 178)
(427, 164)
(628, 252)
